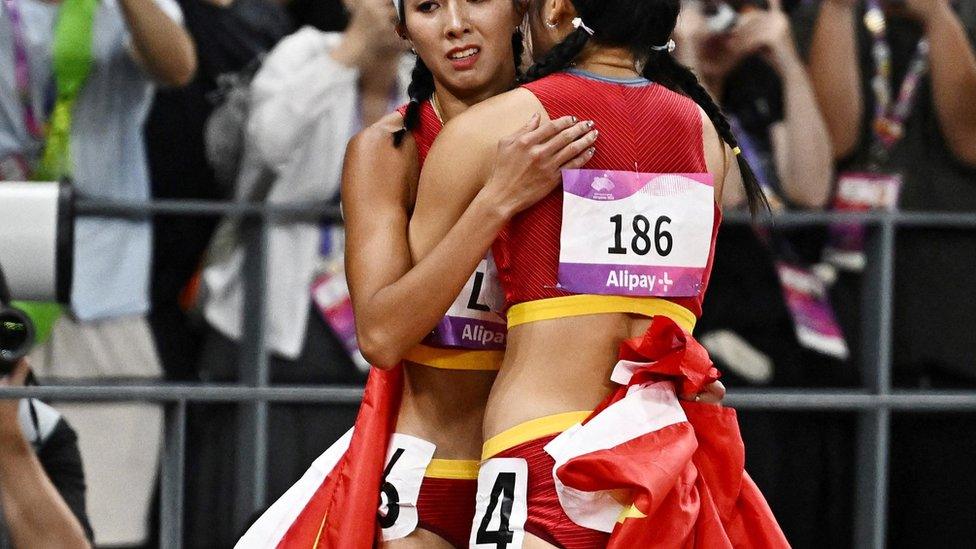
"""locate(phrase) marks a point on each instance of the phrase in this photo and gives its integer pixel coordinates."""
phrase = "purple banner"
(468, 333)
(630, 280)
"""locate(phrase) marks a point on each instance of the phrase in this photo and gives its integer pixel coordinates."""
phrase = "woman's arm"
(953, 72)
(160, 44)
(36, 514)
(801, 143)
(397, 303)
(836, 74)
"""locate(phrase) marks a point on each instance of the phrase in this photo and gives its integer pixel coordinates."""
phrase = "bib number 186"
(662, 240)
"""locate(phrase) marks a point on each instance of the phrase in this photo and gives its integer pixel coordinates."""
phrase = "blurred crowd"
(839, 105)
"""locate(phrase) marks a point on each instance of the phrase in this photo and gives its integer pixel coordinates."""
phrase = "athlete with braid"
(586, 443)
(418, 436)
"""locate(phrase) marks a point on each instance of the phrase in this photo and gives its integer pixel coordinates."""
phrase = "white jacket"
(304, 110)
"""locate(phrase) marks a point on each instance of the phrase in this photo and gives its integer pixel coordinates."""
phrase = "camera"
(36, 256)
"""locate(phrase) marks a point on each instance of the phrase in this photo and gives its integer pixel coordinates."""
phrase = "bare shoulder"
(494, 118)
(374, 164)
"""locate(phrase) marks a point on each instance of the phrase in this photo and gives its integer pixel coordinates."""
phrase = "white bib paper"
(406, 462)
(635, 234)
(472, 321)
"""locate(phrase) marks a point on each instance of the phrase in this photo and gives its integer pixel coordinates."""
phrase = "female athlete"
(604, 281)
(467, 51)
(424, 417)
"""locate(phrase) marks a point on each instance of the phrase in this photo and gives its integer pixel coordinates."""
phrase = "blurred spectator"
(916, 122)
(229, 35)
(42, 484)
(313, 93)
(77, 81)
(762, 287)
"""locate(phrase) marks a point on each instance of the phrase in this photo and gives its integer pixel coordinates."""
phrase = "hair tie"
(669, 47)
(579, 24)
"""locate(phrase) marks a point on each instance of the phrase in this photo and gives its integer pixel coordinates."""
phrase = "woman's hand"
(768, 33)
(713, 393)
(529, 162)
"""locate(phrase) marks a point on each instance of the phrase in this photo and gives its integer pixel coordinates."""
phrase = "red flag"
(340, 493)
(680, 464)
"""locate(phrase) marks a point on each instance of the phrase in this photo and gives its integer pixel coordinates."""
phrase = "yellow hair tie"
(737, 151)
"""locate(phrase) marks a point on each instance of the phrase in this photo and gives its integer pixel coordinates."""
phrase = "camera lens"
(16, 335)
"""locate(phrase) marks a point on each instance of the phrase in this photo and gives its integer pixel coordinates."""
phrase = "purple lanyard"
(22, 68)
(889, 118)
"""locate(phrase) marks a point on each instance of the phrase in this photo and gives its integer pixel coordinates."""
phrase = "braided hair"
(421, 86)
(640, 25)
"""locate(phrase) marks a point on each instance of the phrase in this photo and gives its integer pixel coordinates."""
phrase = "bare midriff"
(556, 366)
(445, 407)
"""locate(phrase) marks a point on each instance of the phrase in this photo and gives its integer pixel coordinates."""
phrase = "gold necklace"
(437, 107)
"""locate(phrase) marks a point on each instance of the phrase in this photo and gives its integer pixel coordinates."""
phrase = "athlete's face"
(467, 44)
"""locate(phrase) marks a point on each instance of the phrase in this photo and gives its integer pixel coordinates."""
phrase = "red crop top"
(643, 127)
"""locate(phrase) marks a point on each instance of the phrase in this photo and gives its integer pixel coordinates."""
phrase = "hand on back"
(529, 162)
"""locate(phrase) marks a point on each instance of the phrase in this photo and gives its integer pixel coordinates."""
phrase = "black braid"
(518, 48)
(560, 57)
(664, 68)
(421, 89)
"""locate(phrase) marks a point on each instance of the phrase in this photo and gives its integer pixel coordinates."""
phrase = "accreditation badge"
(858, 192)
(814, 321)
(473, 321)
(635, 234)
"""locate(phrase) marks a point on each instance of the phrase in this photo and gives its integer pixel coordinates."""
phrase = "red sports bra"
(644, 127)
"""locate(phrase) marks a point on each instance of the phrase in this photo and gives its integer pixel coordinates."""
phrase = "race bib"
(635, 234)
(406, 462)
(471, 322)
(858, 192)
(502, 505)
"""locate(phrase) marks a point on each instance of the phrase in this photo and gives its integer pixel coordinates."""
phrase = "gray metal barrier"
(873, 404)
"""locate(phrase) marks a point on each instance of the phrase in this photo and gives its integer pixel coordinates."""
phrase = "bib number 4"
(502, 508)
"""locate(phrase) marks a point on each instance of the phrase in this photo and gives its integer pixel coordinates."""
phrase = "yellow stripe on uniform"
(455, 469)
(455, 359)
(531, 430)
(587, 304)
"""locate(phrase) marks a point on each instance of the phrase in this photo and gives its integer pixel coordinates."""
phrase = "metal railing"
(874, 403)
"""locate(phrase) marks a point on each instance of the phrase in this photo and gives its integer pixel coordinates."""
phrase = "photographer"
(77, 83)
(42, 485)
(897, 82)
